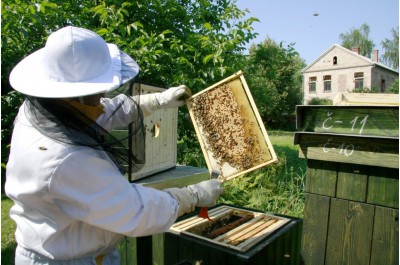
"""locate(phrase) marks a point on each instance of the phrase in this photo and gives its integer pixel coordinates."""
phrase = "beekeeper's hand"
(207, 192)
(203, 194)
(170, 98)
(173, 97)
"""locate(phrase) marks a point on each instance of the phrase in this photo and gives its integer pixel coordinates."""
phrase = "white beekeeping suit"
(72, 204)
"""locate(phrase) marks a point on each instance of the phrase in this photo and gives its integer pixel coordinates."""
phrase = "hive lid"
(230, 130)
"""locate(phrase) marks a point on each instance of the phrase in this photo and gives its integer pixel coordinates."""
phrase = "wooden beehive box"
(161, 137)
(231, 133)
(251, 227)
(352, 184)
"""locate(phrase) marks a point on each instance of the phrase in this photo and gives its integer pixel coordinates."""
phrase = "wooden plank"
(383, 187)
(144, 250)
(353, 120)
(352, 182)
(158, 249)
(177, 177)
(350, 233)
(385, 243)
(369, 99)
(321, 177)
(251, 241)
(171, 248)
(127, 251)
(382, 152)
(315, 229)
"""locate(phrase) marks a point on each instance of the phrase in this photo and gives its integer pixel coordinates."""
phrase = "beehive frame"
(241, 238)
(230, 130)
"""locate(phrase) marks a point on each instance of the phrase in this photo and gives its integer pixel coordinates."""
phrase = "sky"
(315, 25)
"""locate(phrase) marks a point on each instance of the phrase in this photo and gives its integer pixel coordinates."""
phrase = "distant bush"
(394, 88)
(365, 90)
(320, 101)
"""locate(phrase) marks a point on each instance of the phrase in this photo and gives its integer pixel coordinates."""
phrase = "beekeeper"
(72, 204)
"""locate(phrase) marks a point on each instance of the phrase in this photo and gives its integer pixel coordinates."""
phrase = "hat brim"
(30, 78)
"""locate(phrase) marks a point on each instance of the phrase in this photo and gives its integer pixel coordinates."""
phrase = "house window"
(359, 80)
(312, 84)
(327, 83)
(334, 60)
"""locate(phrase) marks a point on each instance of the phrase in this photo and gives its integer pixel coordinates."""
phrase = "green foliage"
(10, 103)
(391, 50)
(8, 243)
(358, 38)
(394, 88)
(320, 101)
(175, 42)
(277, 188)
(366, 90)
(273, 73)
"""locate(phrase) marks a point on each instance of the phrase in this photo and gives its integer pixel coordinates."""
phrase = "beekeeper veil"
(74, 64)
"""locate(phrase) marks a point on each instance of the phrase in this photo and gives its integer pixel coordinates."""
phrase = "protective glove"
(170, 98)
(203, 194)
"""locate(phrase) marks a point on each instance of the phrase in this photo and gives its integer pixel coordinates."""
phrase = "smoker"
(234, 141)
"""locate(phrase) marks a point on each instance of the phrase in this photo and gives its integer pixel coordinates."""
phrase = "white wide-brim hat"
(75, 62)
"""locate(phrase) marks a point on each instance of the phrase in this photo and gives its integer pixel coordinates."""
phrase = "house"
(340, 70)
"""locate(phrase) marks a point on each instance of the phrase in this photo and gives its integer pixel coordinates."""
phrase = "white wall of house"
(343, 67)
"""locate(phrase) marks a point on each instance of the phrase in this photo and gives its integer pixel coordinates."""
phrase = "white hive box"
(161, 137)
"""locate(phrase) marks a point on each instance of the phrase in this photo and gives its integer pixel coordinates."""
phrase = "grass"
(8, 243)
(277, 188)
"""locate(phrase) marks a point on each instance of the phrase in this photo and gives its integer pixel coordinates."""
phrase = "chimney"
(356, 50)
(375, 56)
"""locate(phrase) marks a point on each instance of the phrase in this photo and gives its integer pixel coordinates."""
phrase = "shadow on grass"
(299, 165)
(8, 254)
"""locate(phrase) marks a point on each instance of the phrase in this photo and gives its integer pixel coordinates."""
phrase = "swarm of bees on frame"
(226, 133)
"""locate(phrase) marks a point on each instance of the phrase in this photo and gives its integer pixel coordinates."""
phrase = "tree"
(274, 77)
(391, 50)
(358, 38)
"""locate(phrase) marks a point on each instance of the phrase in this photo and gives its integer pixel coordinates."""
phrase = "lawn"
(8, 243)
(277, 188)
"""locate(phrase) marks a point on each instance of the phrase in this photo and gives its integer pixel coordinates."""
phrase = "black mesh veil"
(62, 122)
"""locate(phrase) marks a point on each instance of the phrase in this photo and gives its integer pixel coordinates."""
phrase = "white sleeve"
(89, 188)
(121, 115)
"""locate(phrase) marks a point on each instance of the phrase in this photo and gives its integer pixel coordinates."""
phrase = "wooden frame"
(230, 130)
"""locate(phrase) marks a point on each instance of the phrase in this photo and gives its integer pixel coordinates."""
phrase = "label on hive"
(352, 120)
(230, 130)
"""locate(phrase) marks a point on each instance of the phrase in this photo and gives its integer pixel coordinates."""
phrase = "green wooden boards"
(352, 184)
(362, 150)
(373, 185)
(337, 231)
(315, 228)
(352, 120)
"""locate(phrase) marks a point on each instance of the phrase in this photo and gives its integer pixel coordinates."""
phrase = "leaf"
(102, 32)
(207, 58)
(207, 26)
